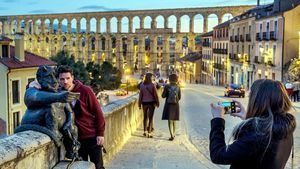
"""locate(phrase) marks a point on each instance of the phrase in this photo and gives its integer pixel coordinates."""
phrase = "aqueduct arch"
(88, 35)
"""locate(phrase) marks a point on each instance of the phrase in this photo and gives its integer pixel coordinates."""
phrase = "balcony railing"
(206, 44)
(270, 63)
(207, 57)
(273, 35)
(219, 66)
(220, 51)
(236, 38)
(258, 37)
(248, 37)
(241, 38)
(256, 60)
(265, 36)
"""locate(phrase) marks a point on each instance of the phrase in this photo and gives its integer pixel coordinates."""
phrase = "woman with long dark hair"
(172, 93)
(148, 99)
(264, 139)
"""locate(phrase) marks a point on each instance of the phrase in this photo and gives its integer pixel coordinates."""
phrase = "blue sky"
(18, 7)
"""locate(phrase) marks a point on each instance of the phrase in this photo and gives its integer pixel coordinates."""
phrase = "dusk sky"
(24, 7)
(18, 7)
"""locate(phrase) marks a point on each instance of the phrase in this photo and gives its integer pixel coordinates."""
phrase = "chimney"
(19, 47)
(258, 2)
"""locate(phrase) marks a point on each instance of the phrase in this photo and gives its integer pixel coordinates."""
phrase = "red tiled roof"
(5, 39)
(31, 60)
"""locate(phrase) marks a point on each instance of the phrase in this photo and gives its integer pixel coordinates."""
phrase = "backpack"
(172, 95)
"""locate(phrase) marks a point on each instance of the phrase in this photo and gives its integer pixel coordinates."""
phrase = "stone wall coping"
(114, 106)
(21, 144)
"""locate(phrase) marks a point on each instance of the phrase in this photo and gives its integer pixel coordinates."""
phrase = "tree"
(79, 70)
(97, 76)
(110, 76)
(293, 72)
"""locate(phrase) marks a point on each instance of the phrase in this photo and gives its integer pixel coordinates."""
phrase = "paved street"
(190, 148)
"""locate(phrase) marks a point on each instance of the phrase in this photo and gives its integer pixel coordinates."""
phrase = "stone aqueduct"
(46, 34)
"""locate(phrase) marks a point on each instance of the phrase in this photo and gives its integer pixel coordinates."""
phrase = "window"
(273, 76)
(15, 91)
(30, 80)
(260, 30)
(268, 30)
(249, 52)
(16, 119)
(249, 29)
(274, 52)
(4, 50)
(275, 28)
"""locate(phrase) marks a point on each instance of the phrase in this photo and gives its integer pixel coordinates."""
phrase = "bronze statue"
(49, 112)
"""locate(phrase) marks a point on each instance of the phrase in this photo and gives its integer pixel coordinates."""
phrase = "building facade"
(207, 62)
(220, 53)
(241, 48)
(17, 69)
(189, 68)
(268, 47)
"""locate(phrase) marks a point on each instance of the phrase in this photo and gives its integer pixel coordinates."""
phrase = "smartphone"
(229, 107)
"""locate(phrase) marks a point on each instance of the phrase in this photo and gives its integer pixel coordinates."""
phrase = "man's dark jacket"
(248, 150)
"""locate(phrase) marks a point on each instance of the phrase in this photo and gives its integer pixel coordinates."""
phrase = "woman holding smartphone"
(264, 139)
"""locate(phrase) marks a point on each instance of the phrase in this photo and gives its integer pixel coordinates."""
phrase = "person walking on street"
(148, 99)
(172, 93)
(89, 117)
(264, 139)
(296, 89)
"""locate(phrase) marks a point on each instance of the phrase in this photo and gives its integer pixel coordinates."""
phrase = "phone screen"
(229, 107)
(226, 104)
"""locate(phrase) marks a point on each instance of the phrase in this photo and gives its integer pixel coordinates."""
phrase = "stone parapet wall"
(34, 150)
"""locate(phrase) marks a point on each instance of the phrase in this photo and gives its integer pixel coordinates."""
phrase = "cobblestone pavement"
(158, 152)
(189, 150)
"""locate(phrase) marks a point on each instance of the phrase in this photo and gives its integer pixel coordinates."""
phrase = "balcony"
(207, 57)
(236, 38)
(248, 38)
(258, 37)
(206, 44)
(270, 63)
(273, 36)
(247, 58)
(265, 37)
(256, 60)
(219, 66)
(231, 56)
(231, 39)
(220, 51)
(241, 38)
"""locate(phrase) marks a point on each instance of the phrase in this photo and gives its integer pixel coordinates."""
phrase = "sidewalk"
(158, 152)
(296, 105)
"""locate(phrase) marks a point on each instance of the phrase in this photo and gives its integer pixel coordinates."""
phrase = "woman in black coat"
(172, 94)
(265, 137)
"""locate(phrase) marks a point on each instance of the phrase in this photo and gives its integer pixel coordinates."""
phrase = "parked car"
(234, 90)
